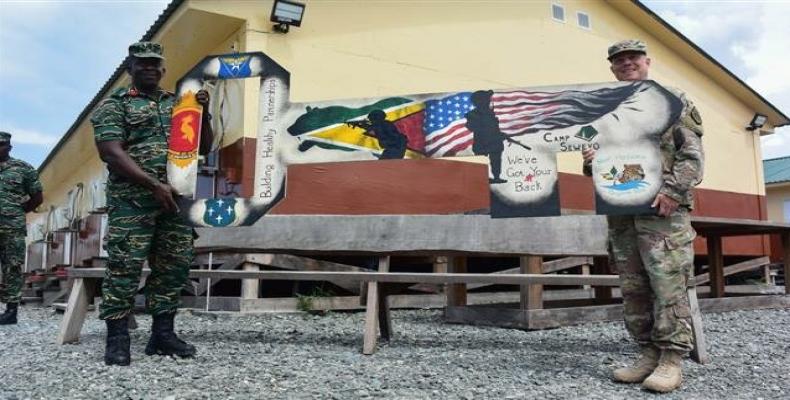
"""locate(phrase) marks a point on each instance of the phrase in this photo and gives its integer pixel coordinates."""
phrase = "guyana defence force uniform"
(654, 255)
(18, 181)
(139, 229)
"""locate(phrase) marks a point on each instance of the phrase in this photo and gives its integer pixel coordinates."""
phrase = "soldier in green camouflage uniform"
(20, 193)
(654, 255)
(131, 129)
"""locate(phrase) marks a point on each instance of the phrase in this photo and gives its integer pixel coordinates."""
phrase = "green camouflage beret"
(146, 50)
(5, 137)
(626, 45)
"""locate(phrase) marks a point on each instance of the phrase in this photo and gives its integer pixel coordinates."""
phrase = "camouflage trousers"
(136, 234)
(655, 259)
(12, 256)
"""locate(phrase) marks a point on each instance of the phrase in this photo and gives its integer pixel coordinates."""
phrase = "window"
(583, 19)
(558, 12)
(787, 211)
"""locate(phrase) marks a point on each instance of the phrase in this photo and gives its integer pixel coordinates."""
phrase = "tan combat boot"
(667, 376)
(644, 366)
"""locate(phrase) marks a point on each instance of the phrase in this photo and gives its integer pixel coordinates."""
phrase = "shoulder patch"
(695, 115)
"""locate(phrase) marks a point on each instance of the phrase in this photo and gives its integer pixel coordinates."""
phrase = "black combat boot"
(9, 316)
(164, 341)
(118, 342)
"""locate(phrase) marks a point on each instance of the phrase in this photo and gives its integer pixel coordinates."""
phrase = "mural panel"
(519, 131)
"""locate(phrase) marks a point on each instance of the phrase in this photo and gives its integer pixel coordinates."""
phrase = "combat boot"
(164, 341)
(667, 376)
(118, 342)
(9, 316)
(644, 366)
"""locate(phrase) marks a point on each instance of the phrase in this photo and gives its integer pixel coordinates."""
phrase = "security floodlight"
(757, 122)
(286, 13)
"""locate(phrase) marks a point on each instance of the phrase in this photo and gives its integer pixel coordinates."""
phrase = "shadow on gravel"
(566, 346)
(268, 337)
(561, 347)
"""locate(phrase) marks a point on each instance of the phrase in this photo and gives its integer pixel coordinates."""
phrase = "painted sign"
(184, 133)
(519, 131)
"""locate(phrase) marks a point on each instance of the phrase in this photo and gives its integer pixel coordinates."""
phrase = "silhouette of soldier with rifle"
(487, 138)
(390, 139)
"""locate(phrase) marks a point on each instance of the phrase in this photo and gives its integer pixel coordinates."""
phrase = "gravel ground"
(298, 356)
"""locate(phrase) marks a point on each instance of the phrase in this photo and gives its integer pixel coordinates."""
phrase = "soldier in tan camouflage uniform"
(654, 255)
(20, 193)
(131, 128)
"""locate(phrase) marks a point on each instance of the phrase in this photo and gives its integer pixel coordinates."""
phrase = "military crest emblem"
(220, 212)
(234, 67)
(185, 131)
(695, 116)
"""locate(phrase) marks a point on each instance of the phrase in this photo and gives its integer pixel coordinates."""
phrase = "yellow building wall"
(348, 49)
(776, 195)
(364, 48)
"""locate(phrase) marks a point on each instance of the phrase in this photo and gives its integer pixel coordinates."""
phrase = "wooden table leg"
(456, 293)
(532, 294)
(370, 335)
(700, 352)
(76, 310)
(785, 237)
(440, 267)
(371, 319)
(250, 287)
(586, 270)
(716, 266)
(440, 264)
(767, 274)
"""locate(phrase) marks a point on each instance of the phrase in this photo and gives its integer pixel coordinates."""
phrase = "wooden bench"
(377, 315)
(715, 229)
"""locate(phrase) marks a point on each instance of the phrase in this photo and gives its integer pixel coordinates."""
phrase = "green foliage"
(306, 302)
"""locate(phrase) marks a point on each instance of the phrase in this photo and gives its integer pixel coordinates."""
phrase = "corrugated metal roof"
(777, 170)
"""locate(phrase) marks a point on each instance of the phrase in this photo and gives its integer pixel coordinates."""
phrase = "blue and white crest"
(232, 67)
(220, 212)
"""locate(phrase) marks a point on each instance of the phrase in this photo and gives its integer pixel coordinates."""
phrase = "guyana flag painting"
(328, 127)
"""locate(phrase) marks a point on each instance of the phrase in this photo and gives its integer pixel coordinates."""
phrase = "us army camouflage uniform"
(18, 181)
(654, 255)
(139, 229)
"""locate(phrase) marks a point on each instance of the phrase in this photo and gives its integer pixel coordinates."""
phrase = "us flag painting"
(519, 112)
